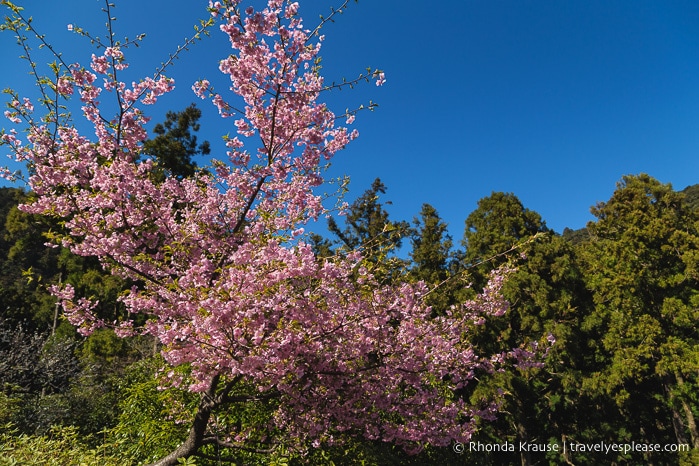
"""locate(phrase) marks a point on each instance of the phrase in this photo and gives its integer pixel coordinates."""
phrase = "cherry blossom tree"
(221, 269)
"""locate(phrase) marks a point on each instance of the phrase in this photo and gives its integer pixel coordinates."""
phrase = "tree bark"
(677, 421)
(681, 423)
(691, 424)
(689, 415)
(525, 457)
(195, 439)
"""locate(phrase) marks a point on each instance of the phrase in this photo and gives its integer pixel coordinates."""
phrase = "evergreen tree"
(367, 224)
(28, 266)
(499, 223)
(691, 194)
(432, 259)
(547, 301)
(642, 269)
(431, 253)
(175, 145)
(368, 229)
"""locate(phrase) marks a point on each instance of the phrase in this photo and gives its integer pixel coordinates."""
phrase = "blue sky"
(551, 100)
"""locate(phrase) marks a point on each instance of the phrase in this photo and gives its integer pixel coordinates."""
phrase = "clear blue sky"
(551, 100)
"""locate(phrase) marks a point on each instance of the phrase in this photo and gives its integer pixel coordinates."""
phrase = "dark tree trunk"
(195, 439)
(691, 424)
(681, 423)
(525, 457)
(689, 416)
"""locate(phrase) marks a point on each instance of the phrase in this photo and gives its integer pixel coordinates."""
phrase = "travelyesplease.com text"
(569, 446)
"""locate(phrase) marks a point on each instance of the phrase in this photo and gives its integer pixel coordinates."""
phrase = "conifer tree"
(641, 266)
(174, 145)
(433, 261)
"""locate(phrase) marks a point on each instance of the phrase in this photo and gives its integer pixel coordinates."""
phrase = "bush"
(62, 446)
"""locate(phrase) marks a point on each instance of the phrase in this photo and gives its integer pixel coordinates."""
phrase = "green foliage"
(358, 452)
(31, 362)
(27, 265)
(61, 446)
(47, 383)
(174, 145)
(369, 230)
(621, 298)
(153, 421)
(691, 196)
(191, 461)
(433, 260)
(576, 236)
(499, 221)
(10, 408)
(367, 225)
(150, 421)
(498, 225)
(640, 266)
(29, 268)
(547, 297)
(690, 458)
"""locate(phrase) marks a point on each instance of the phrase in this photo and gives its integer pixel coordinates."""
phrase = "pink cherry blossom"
(225, 279)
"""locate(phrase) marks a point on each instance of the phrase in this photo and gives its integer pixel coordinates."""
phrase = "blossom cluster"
(228, 285)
